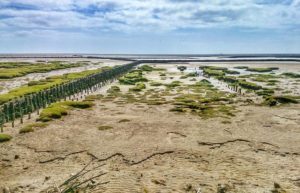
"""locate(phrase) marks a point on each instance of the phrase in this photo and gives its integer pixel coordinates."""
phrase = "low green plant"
(155, 84)
(124, 120)
(4, 137)
(270, 69)
(45, 84)
(138, 87)
(265, 92)
(291, 75)
(12, 70)
(210, 72)
(249, 85)
(173, 84)
(132, 78)
(231, 72)
(104, 127)
(241, 67)
(276, 100)
(32, 127)
(148, 68)
(57, 110)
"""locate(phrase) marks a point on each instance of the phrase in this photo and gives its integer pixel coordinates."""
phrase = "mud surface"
(156, 150)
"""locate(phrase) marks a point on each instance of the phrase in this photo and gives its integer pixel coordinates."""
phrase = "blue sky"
(150, 26)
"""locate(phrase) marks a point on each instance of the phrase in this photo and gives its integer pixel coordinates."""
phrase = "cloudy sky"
(150, 26)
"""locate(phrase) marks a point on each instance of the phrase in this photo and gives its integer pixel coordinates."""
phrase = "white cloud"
(150, 15)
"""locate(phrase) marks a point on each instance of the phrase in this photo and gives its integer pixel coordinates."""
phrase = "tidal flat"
(164, 127)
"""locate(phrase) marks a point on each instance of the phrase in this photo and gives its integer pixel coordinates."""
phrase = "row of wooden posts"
(234, 88)
(29, 103)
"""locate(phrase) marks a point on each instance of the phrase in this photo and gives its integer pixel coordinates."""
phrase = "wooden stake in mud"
(2, 119)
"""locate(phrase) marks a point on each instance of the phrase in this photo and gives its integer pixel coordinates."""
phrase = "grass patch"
(92, 98)
(173, 84)
(148, 68)
(291, 75)
(231, 72)
(4, 137)
(265, 92)
(156, 84)
(210, 72)
(132, 78)
(249, 85)
(277, 100)
(45, 84)
(104, 127)
(31, 127)
(138, 87)
(124, 121)
(205, 101)
(57, 110)
(270, 69)
(241, 67)
(12, 70)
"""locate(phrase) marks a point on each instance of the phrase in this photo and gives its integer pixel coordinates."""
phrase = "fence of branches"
(18, 107)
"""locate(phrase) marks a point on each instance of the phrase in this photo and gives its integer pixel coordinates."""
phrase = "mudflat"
(158, 129)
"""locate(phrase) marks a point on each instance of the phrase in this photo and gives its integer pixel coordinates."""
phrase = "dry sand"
(156, 150)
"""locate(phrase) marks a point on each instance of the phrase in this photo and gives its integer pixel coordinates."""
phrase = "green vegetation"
(156, 84)
(4, 137)
(31, 127)
(138, 87)
(270, 69)
(241, 67)
(265, 92)
(213, 68)
(124, 120)
(92, 98)
(11, 70)
(57, 110)
(173, 84)
(276, 100)
(114, 89)
(231, 72)
(291, 75)
(229, 79)
(104, 127)
(132, 78)
(211, 72)
(191, 74)
(204, 101)
(44, 84)
(148, 68)
(249, 85)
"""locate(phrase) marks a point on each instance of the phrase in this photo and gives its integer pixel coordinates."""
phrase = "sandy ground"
(156, 150)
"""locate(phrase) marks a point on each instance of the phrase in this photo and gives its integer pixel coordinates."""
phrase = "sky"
(150, 26)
